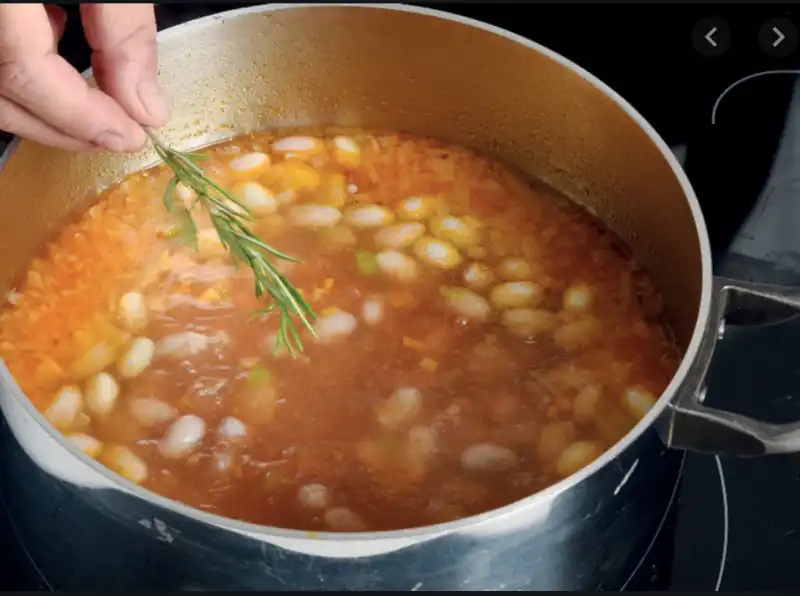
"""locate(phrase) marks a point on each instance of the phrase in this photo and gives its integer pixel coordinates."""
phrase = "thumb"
(124, 58)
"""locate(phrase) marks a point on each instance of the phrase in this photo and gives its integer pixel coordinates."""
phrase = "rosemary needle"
(230, 219)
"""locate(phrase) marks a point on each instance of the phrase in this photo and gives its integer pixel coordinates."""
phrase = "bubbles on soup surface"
(477, 338)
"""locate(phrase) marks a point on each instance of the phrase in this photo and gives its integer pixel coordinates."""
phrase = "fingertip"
(125, 58)
(138, 140)
(134, 89)
(131, 141)
(135, 140)
(154, 102)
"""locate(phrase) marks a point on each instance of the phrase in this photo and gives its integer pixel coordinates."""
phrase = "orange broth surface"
(479, 337)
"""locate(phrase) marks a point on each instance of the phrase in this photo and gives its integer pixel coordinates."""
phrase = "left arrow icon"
(711, 37)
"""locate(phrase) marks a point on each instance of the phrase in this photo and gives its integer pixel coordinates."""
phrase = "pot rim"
(532, 501)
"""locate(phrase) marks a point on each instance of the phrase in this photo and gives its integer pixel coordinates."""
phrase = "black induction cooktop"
(733, 524)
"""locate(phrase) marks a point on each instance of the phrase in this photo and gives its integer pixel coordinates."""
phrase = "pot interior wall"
(381, 68)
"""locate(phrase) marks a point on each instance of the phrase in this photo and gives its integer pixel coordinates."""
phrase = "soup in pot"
(478, 337)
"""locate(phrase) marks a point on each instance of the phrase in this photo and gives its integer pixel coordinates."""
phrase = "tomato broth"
(478, 337)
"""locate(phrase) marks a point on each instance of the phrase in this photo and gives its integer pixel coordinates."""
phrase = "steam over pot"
(422, 71)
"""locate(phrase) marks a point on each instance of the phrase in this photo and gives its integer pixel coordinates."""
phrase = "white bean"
(368, 216)
(334, 327)
(437, 253)
(526, 322)
(232, 428)
(639, 401)
(86, 443)
(577, 298)
(399, 235)
(271, 346)
(136, 358)
(346, 152)
(149, 411)
(585, 406)
(299, 146)
(466, 303)
(236, 207)
(514, 269)
(577, 335)
(249, 164)
(578, 455)
(209, 244)
(184, 193)
(422, 442)
(515, 294)
(416, 208)
(478, 275)
(285, 197)
(188, 343)
(455, 230)
(397, 265)
(313, 496)
(402, 405)
(314, 216)
(372, 311)
(182, 436)
(554, 438)
(13, 297)
(133, 311)
(94, 360)
(488, 457)
(255, 198)
(126, 463)
(65, 407)
(341, 519)
(102, 391)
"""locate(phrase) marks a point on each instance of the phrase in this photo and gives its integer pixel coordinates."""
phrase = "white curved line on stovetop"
(725, 526)
(725, 529)
(660, 526)
(18, 538)
(749, 77)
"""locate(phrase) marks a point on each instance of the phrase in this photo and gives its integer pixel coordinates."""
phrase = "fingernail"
(154, 101)
(111, 140)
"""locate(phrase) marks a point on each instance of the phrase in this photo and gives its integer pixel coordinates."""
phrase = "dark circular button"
(778, 37)
(711, 37)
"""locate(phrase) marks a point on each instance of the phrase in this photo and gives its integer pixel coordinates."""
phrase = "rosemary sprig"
(230, 219)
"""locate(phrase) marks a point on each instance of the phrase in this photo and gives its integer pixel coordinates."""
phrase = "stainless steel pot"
(412, 69)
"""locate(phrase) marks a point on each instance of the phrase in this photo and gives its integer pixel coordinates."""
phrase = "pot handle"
(690, 425)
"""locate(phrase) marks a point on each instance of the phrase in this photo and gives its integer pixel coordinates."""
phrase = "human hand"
(43, 98)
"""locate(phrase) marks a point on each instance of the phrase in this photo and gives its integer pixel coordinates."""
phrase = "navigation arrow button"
(711, 37)
(778, 37)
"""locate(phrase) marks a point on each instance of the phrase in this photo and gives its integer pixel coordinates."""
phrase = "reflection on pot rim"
(541, 500)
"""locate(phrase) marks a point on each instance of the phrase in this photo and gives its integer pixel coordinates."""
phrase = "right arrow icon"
(778, 37)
